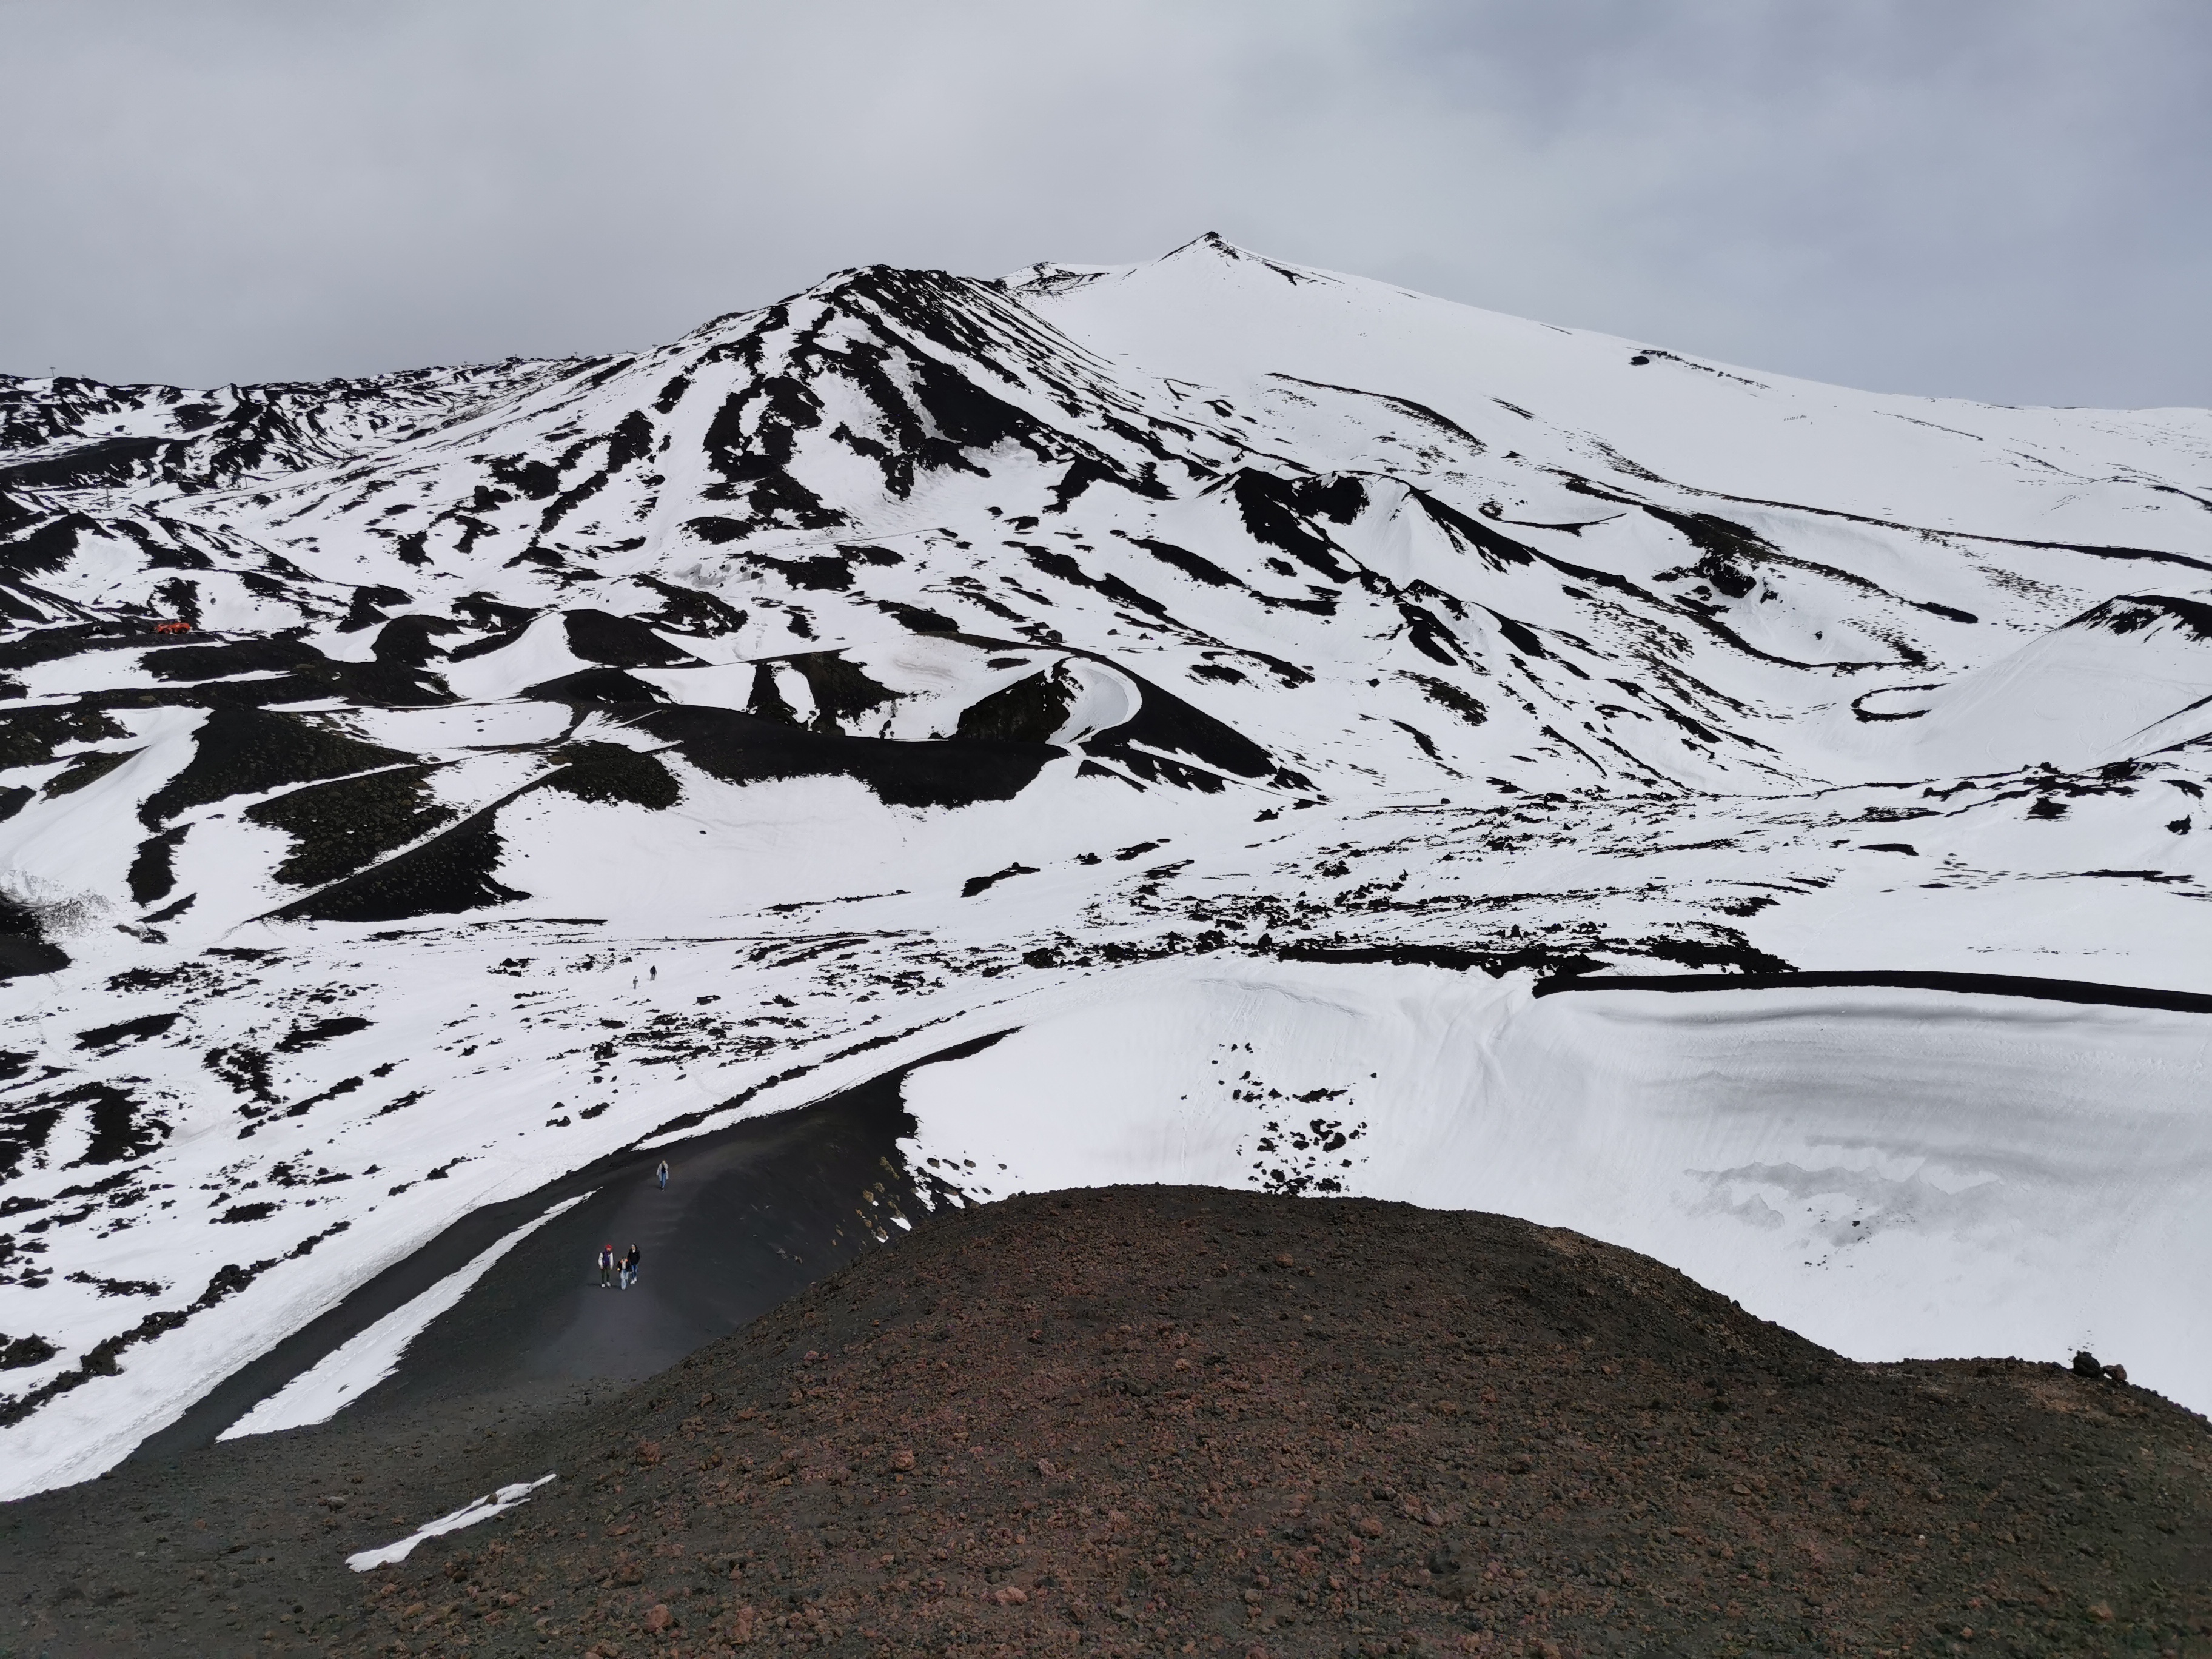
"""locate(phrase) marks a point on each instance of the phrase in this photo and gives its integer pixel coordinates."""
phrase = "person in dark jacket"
(606, 1267)
(630, 1266)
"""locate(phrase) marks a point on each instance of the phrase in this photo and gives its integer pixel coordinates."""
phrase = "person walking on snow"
(606, 1267)
(664, 1175)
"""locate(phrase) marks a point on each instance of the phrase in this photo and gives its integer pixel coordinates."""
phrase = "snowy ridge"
(574, 753)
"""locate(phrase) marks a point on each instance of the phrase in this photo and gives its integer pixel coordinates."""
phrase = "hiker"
(664, 1175)
(630, 1266)
(606, 1267)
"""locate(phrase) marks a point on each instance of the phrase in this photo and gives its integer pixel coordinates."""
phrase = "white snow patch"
(468, 1514)
(353, 1367)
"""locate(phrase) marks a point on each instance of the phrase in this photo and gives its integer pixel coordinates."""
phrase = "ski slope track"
(1246, 686)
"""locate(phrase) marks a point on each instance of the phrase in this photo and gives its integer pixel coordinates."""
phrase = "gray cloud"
(1992, 198)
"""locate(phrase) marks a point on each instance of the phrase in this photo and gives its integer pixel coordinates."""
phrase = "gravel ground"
(1184, 1421)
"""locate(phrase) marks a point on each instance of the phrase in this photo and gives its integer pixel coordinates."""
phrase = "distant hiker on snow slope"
(664, 1175)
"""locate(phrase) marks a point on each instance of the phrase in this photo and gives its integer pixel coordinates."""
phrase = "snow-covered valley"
(1249, 686)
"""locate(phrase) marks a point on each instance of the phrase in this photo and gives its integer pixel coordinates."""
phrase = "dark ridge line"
(1997, 985)
(1908, 713)
(2156, 554)
(1420, 411)
(1712, 624)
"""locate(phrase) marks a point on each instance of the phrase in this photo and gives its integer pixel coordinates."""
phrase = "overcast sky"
(2004, 199)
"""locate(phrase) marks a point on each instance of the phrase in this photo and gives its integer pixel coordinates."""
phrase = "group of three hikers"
(618, 1271)
(623, 1271)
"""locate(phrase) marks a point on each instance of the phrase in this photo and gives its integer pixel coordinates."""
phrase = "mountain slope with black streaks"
(557, 754)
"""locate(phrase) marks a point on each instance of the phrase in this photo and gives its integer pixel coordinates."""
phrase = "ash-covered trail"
(751, 1215)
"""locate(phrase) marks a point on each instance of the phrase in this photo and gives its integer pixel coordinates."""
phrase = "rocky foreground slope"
(1180, 1420)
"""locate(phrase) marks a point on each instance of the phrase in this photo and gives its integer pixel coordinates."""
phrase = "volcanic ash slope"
(1244, 682)
(1164, 1420)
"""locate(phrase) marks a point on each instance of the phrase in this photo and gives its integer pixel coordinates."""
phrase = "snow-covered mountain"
(1250, 681)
